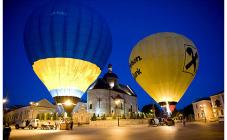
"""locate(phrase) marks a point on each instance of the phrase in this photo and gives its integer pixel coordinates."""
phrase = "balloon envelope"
(68, 45)
(164, 65)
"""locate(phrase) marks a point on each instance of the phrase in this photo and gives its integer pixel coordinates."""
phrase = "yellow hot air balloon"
(164, 65)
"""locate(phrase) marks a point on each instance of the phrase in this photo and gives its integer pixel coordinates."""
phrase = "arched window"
(90, 106)
(217, 103)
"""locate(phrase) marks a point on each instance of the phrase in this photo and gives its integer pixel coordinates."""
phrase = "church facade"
(108, 97)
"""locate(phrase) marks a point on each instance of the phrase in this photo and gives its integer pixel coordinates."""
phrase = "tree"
(123, 116)
(93, 118)
(142, 116)
(48, 116)
(188, 111)
(175, 113)
(103, 117)
(55, 116)
(42, 116)
(38, 117)
(152, 108)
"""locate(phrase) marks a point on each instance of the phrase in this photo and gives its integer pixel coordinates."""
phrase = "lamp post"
(111, 85)
(117, 102)
(33, 104)
(4, 101)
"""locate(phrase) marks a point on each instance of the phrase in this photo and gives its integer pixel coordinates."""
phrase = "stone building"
(30, 112)
(217, 102)
(203, 109)
(107, 96)
(210, 108)
(80, 114)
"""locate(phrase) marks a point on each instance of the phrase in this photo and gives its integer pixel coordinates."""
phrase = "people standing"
(184, 122)
(71, 124)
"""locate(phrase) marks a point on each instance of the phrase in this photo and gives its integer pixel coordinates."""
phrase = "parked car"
(221, 119)
(154, 122)
(22, 124)
(34, 123)
(47, 126)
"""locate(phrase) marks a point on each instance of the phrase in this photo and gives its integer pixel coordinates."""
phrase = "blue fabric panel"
(67, 29)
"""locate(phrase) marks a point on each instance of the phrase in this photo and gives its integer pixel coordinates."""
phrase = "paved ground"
(192, 131)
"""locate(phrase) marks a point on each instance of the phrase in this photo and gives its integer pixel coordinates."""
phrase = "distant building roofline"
(201, 99)
(217, 93)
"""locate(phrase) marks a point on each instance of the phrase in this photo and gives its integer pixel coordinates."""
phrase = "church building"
(108, 97)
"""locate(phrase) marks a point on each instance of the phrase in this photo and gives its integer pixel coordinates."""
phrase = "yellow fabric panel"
(60, 73)
(162, 66)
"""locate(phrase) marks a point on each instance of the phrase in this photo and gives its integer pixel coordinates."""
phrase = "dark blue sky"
(130, 20)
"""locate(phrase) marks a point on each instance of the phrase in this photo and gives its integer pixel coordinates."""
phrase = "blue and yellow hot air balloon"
(164, 64)
(68, 45)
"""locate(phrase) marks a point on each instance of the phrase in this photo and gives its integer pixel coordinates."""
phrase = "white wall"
(106, 98)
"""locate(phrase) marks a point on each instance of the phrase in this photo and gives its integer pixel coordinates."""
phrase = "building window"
(131, 108)
(198, 115)
(217, 103)
(90, 106)
(196, 106)
(222, 113)
(121, 106)
(99, 100)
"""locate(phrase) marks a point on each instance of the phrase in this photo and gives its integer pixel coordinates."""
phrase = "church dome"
(110, 73)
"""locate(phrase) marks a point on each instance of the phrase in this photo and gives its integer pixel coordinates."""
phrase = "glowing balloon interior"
(68, 45)
(164, 65)
(66, 76)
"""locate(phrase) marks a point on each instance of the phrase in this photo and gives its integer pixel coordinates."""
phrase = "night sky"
(130, 21)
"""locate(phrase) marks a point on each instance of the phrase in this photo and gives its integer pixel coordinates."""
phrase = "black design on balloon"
(194, 58)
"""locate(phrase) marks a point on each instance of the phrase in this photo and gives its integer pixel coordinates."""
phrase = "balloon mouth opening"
(168, 107)
(163, 103)
(67, 102)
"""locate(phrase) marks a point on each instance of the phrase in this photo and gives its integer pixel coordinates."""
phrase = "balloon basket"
(65, 126)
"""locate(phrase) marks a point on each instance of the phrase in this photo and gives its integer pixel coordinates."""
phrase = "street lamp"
(118, 100)
(4, 101)
(33, 104)
(111, 85)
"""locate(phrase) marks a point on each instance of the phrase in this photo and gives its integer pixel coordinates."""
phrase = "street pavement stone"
(192, 131)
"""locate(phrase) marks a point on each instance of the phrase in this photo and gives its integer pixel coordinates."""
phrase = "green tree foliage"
(152, 108)
(42, 116)
(188, 111)
(93, 118)
(114, 116)
(55, 116)
(142, 116)
(48, 116)
(38, 117)
(175, 113)
(103, 117)
(123, 116)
